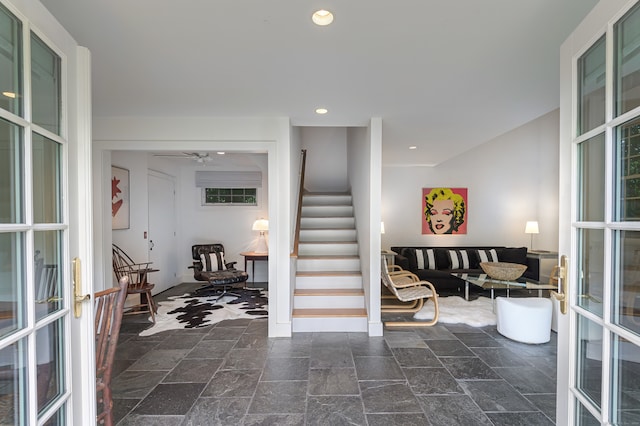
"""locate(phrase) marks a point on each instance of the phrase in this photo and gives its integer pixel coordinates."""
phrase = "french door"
(599, 339)
(40, 227)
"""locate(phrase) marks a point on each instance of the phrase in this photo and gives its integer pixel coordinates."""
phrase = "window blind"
(236, 179)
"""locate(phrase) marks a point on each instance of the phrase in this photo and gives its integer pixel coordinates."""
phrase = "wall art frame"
(120, 210)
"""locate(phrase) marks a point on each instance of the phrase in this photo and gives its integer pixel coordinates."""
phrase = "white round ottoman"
(524, 319)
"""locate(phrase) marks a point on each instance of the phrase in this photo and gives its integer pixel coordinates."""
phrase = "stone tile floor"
(233, 374)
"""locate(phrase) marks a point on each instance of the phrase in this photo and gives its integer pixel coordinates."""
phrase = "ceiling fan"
(200, 157)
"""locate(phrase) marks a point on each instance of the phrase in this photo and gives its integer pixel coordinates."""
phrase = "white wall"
(510, 180)
(364, 149)
(326, 169)
(228, 225)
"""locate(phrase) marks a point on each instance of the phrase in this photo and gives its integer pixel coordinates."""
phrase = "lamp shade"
(531, 227)
(261, 225)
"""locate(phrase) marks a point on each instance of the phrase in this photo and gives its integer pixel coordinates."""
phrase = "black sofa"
(440, 273)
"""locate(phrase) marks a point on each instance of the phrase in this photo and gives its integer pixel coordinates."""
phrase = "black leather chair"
(209, 265)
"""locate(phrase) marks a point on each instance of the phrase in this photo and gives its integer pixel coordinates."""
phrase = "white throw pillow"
(213, 261)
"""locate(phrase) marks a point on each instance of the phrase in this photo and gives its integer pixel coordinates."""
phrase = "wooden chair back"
(108, 307)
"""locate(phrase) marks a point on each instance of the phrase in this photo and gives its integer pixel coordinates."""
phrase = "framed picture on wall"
(119, 198)
(444, 211)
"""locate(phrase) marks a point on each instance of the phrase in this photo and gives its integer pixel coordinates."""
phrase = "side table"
(253, 257)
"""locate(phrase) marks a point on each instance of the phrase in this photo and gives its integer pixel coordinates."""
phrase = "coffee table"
(486, 282)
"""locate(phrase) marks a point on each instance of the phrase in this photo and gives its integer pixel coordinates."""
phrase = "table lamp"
(261, 225)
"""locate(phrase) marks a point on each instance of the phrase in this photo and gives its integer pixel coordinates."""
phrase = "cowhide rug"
(456, 310)
(193, 311)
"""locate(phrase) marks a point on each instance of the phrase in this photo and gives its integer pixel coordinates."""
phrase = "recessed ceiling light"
(413, 147)
(322, 17)
(9, 95)
(321, 110)
(220, 152)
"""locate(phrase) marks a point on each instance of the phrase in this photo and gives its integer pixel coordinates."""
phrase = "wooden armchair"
(137, 275)
(108, 306)
(408, 292)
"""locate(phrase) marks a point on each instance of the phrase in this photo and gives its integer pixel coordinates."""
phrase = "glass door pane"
(627, 293)
(589, 360)
(591, 104)
(628, 171)
(11, 173)
(627, 39)
(46, 180)
(12, 279)
(49, 363)
(45, 85)
(591, 173)
(590, 277)
(48, 272)
(13, 397)
(11, 92)
(625, 395)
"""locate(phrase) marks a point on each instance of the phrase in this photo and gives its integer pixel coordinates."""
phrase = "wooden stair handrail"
(303, 164)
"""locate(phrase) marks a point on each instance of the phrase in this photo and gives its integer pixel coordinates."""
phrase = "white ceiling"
(444, 76)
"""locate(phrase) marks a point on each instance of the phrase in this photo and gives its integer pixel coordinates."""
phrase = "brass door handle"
(562, 295)
(78, 298)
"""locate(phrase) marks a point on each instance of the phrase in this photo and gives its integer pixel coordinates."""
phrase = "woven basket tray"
(503, 270)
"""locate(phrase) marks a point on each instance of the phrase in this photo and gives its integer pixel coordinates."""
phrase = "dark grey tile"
(500, 357)
(135, 384)
(135, 350)
(545, 403)
(404, 339)
(122, 407)
(193, 371)
(170, 399)
(388, 397)
(185, 341)
(378, 368)
(529, 350)
(415, 357)
(328, 356)
(279, 398)
(463, 328)
(242, 359)
(290, 348)
(259, 326)
(478, 340)
(431, 381)
(252, 341)
(335, 410)
(120, 365)
(496, 395)
(237, 322)
(217, 411)
(232, 383)
(330, 339)
(273, 420)
(449, 348)
(159, 359)
(546, 365)
(527, 379)
(286, 369)
(469, 368)
(400, 419)
(141, 420)
(211, 349)
(368, 346)
(436, 332)
(451, 410)
(224, 333)
(519, 419)
(333, 381)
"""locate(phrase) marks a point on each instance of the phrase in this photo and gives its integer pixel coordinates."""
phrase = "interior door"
(599, 337)
(162, 230)
(46, 354)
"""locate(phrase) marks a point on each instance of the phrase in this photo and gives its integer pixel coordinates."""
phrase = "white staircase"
(328, 293)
